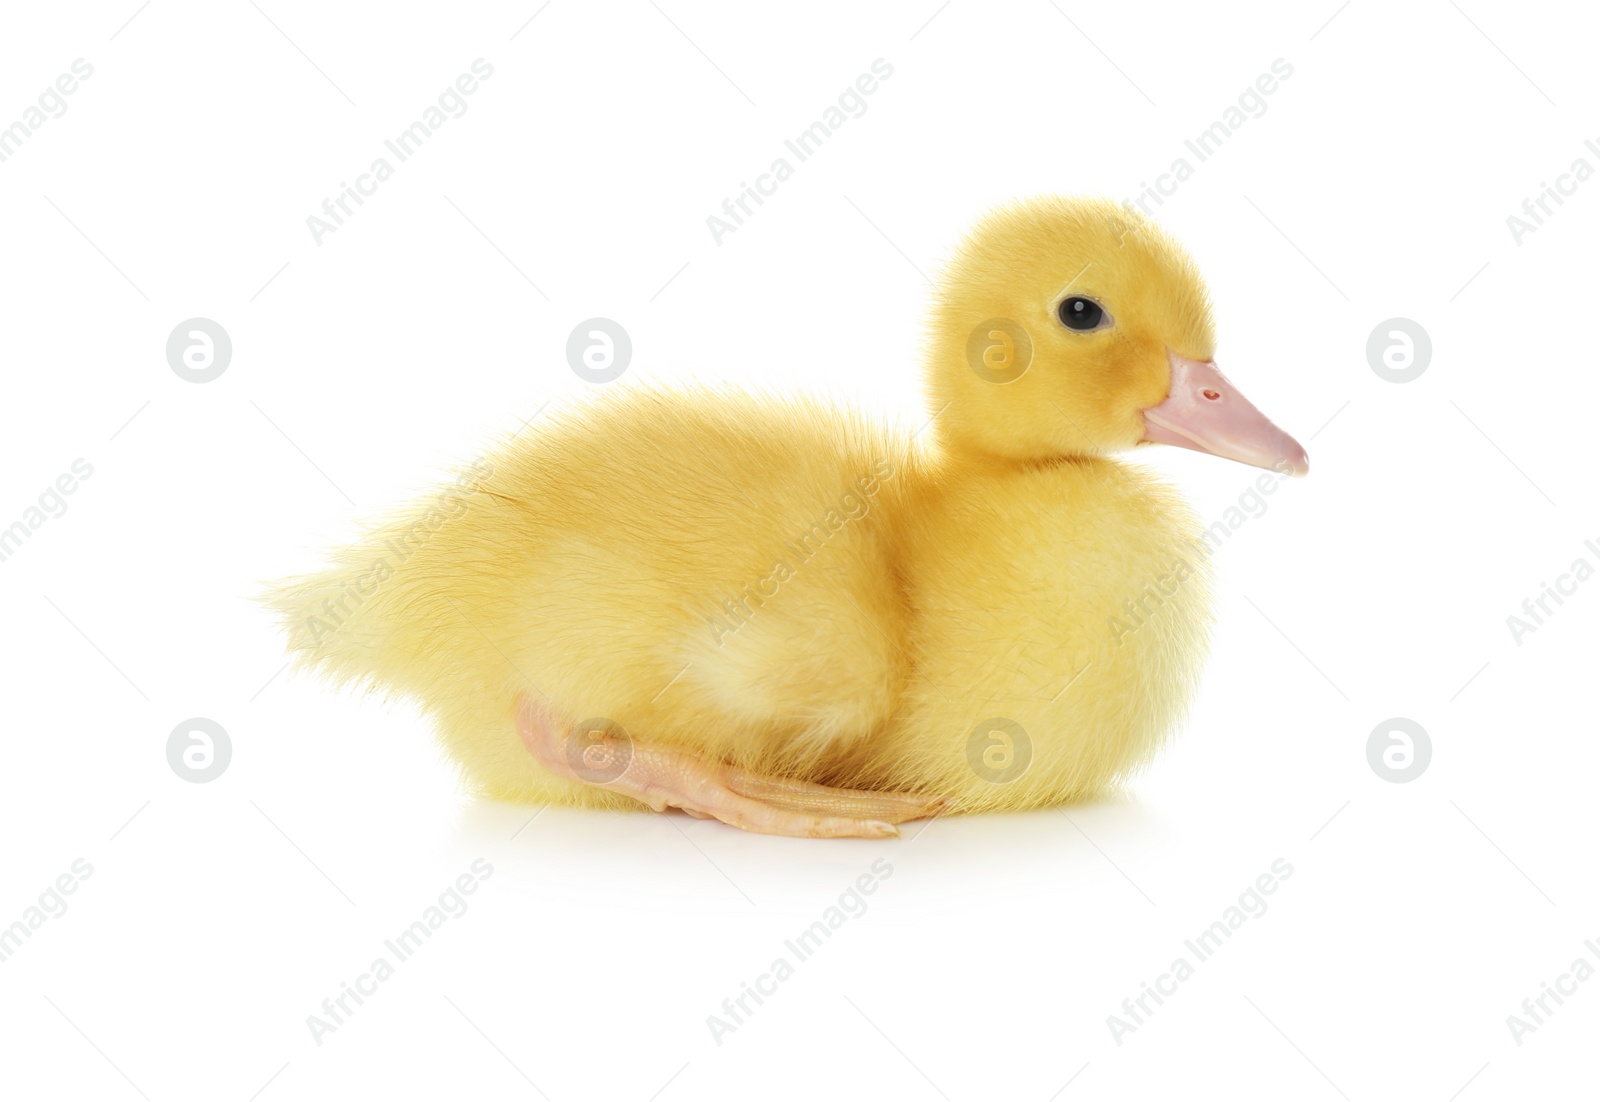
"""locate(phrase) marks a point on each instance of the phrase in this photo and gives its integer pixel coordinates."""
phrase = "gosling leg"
(607, 757)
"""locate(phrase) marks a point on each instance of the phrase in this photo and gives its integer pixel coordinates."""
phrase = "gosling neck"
(954, 455)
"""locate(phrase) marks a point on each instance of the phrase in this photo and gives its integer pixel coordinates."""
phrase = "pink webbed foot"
(600, 753)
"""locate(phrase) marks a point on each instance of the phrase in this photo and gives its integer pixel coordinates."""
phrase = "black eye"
(1081, 314)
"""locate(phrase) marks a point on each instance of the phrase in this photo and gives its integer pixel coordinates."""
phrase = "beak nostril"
(1211, 395)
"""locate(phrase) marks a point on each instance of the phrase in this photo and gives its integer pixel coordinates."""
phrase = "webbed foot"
(602, 754)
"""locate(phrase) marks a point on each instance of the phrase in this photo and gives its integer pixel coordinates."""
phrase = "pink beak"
(1205, 412)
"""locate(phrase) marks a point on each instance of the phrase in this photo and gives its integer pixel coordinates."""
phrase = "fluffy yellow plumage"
(651, 593)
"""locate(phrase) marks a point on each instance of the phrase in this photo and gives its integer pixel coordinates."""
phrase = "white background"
(218, 916)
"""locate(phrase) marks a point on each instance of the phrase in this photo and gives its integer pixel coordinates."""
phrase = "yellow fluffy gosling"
(782, 615)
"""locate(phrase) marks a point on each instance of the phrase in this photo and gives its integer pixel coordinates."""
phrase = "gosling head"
(1074, 328)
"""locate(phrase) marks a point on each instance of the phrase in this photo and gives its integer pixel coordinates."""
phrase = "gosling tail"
(380, 615)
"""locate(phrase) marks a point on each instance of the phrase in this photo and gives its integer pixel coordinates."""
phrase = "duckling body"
(783, 615)
(1050, 694)
(715, 572)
